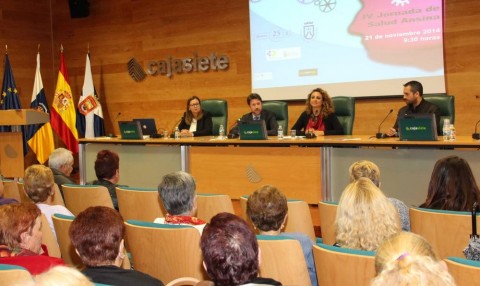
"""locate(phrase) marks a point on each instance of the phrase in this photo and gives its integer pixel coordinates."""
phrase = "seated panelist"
(195, 120)
(258, 113)
(319, 117)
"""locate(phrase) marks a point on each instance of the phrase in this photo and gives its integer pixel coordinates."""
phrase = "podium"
(11, 143)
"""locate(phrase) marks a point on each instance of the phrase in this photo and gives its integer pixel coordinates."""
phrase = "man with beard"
(257, 113)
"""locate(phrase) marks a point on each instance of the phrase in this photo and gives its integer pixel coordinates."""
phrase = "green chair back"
(280, 109)
(446, 103)
(219, 110)
(345, 111)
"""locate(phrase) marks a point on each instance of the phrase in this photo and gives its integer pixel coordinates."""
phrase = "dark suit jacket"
(204, 125)
(270, 122)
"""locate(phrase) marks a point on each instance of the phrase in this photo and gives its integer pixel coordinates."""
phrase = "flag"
(10, 99)
(40, 137)
(90, 115)
(63, 115)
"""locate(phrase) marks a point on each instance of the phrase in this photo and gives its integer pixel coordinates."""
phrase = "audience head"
(61, 159)
(62, 276)
(97, 235)
(267, 208)
(452, 186)
(365, 217)
(254, 100)
(408, 259)
(326, 107)
(194, 109)
(107, 166)
(20, 227)
(365, 169)
(177, 192)
(38, 183)
(230, 250)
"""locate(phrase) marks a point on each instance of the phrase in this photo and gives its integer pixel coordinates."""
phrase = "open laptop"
(253, 130)
(417, 127)
(130, 129)
(148, 126)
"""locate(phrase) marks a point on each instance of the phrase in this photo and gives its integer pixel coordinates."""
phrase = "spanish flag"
(63, 114)
(40, 135)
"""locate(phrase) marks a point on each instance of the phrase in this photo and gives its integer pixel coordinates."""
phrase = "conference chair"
(14, 275)
(328, 213)
(184, 281)
(446, 103)
(447, 231)
(57, 196)
(23, 196)
(343, 266)
(280, 109)
(208, 205)
(139, 203)
(80, 197)
(165, 251)
(282, 259)
(345, 111)
(10, 190)
(48, 238)
(219, 110)
(464, 271)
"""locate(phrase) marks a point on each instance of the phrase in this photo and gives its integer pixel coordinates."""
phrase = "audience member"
(267, 208)
(408, 259)
(370, 170)
(21, 238)
(319, 117)
(452, 186)
(98, 234)
(230, 252)
(40, 188)
(178, 196)
(195, 120)
(5, 201)
(107, 170)
(62, 276)
(254, 101)
(61, 163)
(365, 217)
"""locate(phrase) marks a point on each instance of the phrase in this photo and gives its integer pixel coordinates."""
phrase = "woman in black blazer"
(195, 121)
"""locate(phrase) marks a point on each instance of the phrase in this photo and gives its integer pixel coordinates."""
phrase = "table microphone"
(476, 135)
(380, 135)
(111, 135)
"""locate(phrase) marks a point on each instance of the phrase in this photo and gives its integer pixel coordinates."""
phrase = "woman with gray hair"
(177, 193)
(61, 163)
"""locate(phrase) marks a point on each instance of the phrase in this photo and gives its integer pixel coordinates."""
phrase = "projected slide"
(348, 47)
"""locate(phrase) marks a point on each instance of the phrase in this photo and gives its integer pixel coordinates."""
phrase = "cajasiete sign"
(170, 66)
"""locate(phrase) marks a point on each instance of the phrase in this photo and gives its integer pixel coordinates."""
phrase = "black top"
(204, 125)
(423, 107)
(113, 275)
(332, 125)
(270, 122)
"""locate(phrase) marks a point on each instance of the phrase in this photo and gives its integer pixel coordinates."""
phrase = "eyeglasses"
(195, 105)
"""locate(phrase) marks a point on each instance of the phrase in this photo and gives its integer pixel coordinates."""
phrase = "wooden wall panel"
(118, 30)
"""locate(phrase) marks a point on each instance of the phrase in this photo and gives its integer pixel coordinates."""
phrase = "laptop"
(417, 127)
(253, 130)
(148, 126)
(130, 129)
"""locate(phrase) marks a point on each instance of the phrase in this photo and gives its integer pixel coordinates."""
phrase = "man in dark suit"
(257, 113)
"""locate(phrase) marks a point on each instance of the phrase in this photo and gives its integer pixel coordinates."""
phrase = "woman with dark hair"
(98, 234)
(230, 252)
(452, 186)
(319, 117)
(195, 120)
(21, 238)
(107, 169)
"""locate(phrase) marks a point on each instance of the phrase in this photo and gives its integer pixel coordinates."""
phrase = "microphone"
(476, 135)
(157, 133)
(234, 129)
(111, 135)
(380, 135)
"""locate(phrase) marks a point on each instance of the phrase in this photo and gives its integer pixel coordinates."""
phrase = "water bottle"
(446, 129)
(221, 132)
(280, 132)
(177, 133)
(453, 134)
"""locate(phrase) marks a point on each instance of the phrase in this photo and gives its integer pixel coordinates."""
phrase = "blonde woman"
(408, 259)
(368, 169)
(365, 217)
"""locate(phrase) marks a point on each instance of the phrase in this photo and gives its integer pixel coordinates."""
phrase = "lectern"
(11, 143)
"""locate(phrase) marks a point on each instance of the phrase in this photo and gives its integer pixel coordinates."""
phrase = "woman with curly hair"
(319, 117)
(365, 217)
